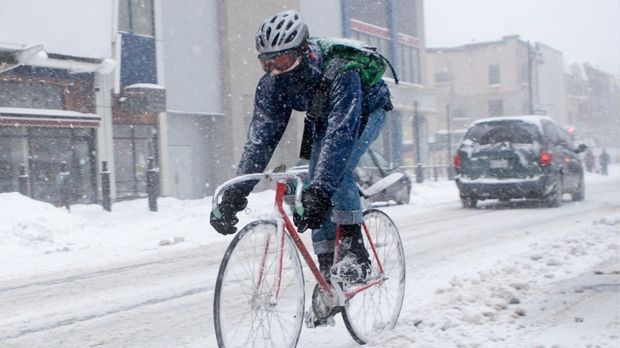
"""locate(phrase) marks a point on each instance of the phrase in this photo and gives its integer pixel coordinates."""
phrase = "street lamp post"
(450, 171)
(419, 171)
(533, 56)
(529, 78)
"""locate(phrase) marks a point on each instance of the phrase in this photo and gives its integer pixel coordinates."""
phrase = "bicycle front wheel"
(378, 308)
(259, 294)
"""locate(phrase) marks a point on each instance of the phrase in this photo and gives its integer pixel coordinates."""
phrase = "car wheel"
(554, 199)
(580, 192)
(469, 202)
(402, 196)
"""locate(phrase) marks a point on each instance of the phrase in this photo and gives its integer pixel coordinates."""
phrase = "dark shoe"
(351, 269)
(354, 266)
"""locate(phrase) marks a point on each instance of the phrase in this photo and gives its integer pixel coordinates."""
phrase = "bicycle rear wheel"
(253, 306)
(378, 308)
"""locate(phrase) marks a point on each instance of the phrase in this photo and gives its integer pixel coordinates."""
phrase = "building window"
(134, 145)
(496, 107)
(443, 77)
(406, 18)
(409, 64)
(382, 44)
(136, 17)
(31, 95)
(494, 75)
(369, 11)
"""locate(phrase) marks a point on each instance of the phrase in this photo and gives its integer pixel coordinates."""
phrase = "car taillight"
(545, 158)
(457, 161)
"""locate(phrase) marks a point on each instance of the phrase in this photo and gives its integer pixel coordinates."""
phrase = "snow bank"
(37, 237)
(501, 306)
(34, 225)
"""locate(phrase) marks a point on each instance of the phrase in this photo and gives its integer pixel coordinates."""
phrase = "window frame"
(494, 74)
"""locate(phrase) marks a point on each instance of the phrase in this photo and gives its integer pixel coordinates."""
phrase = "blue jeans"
(347, 208)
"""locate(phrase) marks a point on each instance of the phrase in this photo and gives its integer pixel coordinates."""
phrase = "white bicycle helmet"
(284, 31)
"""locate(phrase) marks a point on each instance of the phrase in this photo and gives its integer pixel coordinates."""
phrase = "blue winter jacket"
(336, 130)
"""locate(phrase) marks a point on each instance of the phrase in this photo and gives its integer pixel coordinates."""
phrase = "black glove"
(316, 203)
(224, 216)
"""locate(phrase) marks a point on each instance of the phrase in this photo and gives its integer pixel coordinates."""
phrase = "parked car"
(528, 157)
(371, 168)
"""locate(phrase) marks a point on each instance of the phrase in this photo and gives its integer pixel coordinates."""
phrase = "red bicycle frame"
(292, 232)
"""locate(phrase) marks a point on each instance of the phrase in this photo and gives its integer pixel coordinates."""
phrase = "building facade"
(48, 127)
(593, 105)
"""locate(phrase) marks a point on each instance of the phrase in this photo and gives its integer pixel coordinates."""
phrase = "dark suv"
(518, 157)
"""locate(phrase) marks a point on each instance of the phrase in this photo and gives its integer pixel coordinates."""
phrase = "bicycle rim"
(378, 308)
(246, 310)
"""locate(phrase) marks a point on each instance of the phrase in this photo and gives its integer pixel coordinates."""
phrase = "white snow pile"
(35, 225)
(502, 306)
(38, 237)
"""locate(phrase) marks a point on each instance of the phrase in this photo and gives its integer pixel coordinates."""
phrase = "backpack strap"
(318, 104)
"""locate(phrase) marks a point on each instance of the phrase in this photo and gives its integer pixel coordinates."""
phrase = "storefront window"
(43, 151)
(13, 153)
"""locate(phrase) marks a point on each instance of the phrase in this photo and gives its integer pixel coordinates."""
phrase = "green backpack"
(342, 55)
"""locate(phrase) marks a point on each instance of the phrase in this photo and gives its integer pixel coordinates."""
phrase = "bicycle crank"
(323, 307)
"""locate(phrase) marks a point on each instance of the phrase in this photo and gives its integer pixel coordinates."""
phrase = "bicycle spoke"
(378, 307)
(250, 280)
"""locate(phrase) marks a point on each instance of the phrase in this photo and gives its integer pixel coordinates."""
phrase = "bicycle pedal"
(309, 319)
(313, 322)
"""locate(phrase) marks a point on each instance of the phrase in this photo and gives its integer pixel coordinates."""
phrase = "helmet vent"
(291, 37)
(279, 26)
(289, 25)
(273, 19)
(268, 33)
(275, 39)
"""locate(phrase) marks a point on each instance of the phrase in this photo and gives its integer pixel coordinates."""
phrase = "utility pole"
(419, 171)
(450, 170)
(532, 54)
(529, 78)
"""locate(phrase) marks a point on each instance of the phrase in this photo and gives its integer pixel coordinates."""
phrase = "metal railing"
(433, 172)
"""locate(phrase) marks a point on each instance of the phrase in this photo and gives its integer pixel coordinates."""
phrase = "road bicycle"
(259, 295)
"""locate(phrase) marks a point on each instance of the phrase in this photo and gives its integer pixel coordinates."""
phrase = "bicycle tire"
(244, 311)
(378, 308)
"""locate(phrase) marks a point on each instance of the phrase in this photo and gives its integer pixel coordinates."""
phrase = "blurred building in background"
(593, 104)
(48, 126)
(498, 78)
(175, 82)
(54, 104)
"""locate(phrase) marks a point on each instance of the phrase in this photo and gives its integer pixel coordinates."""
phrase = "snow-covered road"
(504, 275)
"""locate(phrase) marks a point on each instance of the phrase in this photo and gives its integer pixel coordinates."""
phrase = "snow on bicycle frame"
(285, 223)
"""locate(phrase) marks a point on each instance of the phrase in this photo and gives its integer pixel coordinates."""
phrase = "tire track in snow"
(78, 319)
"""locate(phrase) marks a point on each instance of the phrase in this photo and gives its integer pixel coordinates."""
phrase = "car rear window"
(514, 132)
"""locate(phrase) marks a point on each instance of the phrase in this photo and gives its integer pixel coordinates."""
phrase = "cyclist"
(349, 121)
